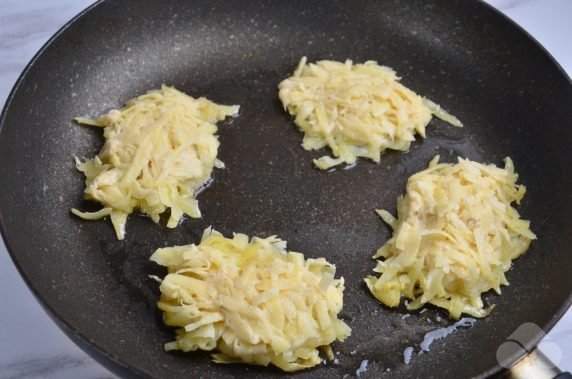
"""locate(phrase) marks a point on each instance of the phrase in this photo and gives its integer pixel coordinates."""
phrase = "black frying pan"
(512, 97)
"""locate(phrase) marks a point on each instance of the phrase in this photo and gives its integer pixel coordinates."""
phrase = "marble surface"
(31, 346)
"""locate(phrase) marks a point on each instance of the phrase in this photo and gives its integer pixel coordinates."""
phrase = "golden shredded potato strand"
(356, 110)
(159, 151)
(253, 301)
(454, 238)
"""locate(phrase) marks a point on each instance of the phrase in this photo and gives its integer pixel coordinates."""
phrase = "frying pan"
(513, 99)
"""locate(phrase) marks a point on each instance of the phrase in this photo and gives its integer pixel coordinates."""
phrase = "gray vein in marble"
(57, 367)
(505, 5)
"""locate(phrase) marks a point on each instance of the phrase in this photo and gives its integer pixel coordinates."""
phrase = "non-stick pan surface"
(512, 98)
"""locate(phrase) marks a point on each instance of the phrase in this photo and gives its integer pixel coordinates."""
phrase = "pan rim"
(80, 340)
(115, 364)
(568, 304)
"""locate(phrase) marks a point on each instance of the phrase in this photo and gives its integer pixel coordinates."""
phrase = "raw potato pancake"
(159, 152)
(356, 110)
(252, 300)
(454, 238)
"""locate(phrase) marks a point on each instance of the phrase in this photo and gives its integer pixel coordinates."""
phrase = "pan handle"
(536, 365)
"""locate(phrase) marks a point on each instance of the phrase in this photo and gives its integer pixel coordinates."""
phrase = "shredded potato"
(159, 152)
(454, 238)
(356, 110)
(253, 301)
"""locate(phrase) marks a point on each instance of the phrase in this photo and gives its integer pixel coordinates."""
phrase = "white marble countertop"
(31, 345)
